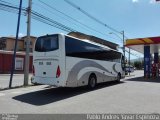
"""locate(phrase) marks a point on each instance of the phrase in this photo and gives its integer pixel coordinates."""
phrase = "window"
(19, 64)
(123, 63)
(47, 43)
(2, 44)
(78, 48)
(82, 49)
(25, 43)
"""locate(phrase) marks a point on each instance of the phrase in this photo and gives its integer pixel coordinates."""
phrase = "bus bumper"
(46, 81)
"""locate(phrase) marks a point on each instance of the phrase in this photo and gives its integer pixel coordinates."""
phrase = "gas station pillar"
(147, 61)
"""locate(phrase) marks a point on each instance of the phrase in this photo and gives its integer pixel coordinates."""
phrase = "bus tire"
(92, 81)
(118, 77)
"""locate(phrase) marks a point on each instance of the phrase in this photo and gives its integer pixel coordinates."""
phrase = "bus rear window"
(46, 44)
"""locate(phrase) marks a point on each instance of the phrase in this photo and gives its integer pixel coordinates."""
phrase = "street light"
(122, 33)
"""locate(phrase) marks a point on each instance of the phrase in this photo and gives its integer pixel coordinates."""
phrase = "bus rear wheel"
(92, 81)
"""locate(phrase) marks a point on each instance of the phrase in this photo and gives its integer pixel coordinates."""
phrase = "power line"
(90, 16)
(6, 2)
(75, 20)
(36, 16)
(56, 24)
(64, 14)
(40, 6)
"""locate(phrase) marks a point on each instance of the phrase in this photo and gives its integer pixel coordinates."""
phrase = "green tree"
(138, 64)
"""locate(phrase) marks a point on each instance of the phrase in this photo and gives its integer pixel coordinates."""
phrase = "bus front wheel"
(118, 77)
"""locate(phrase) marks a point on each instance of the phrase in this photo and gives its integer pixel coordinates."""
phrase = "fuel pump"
(154, 70)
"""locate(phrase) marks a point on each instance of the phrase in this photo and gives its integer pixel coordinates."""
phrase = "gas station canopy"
(147, 46)
(139, 43)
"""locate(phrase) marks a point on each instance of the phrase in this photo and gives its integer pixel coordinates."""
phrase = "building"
(7, 43)
(7, 47)
(6, 53)
(6, 61)
(150, 47)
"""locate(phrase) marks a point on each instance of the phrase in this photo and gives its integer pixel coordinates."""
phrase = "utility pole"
(15, 46)
(124, 50)
(129, 62)
(26, 71)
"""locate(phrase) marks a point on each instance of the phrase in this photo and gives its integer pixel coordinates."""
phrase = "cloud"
(152, 1)
(21, 35)
(135, 1)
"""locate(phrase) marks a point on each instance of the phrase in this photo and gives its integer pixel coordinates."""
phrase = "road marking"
(2, 94)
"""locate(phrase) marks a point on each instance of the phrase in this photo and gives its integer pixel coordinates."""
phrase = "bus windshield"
(47, 43)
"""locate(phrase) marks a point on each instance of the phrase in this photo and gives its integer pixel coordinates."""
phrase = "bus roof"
(85, 40)
(94, 39)
(92, 42)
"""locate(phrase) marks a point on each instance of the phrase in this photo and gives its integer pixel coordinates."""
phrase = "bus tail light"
(58, 72)
(33, 70)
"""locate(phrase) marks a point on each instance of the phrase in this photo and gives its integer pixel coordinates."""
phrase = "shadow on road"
(142, 79)
(51, 95)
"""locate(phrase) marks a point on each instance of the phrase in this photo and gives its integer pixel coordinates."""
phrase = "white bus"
(64, 61)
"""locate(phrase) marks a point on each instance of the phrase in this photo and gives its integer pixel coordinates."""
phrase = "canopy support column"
(147, 61)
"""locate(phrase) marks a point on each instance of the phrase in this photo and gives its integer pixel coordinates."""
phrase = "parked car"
(129, 69)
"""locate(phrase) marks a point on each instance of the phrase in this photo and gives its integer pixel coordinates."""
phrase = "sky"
(138, 18)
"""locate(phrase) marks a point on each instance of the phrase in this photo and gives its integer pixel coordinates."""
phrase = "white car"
(129, 69)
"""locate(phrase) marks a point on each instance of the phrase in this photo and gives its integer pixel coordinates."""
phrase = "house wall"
(10, 44)
(1, 63)
(6, 62)
(20, 46)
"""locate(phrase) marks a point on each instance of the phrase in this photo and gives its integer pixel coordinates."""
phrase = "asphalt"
(134, 94)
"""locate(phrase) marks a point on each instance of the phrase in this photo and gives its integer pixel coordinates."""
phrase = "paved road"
(132, 95)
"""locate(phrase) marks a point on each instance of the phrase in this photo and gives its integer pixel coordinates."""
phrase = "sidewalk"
(18, 80)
